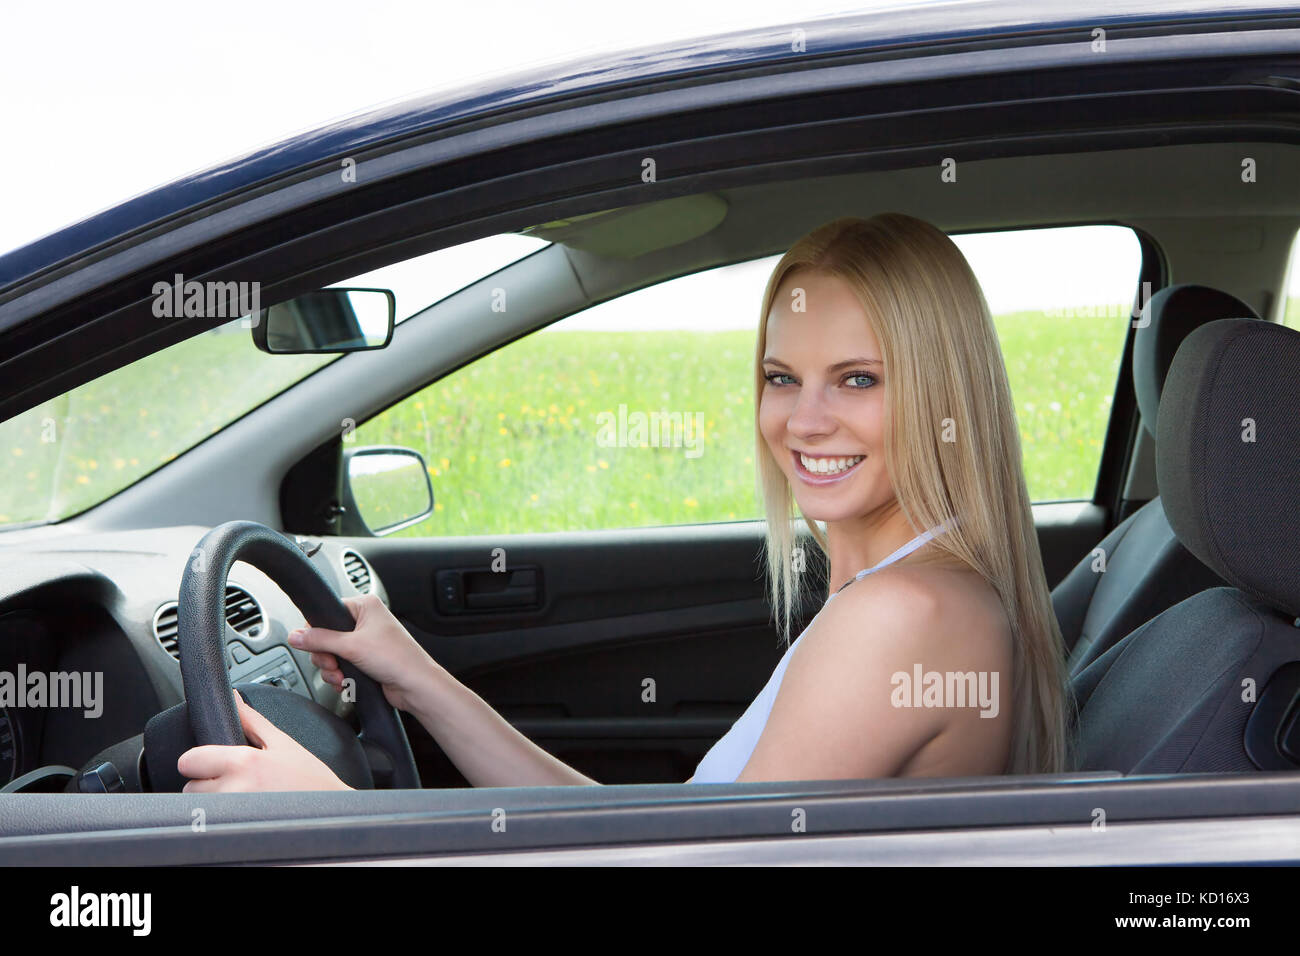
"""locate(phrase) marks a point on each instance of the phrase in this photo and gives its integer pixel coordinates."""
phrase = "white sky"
(104, 101)
(730, 298)
(107, 100)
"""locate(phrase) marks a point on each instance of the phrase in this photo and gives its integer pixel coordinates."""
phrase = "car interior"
(682, 603)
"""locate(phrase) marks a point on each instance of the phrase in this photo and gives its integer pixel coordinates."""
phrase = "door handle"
(462, 590)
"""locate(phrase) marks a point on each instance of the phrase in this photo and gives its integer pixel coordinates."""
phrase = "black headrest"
(1167, 319)
(1228, 455)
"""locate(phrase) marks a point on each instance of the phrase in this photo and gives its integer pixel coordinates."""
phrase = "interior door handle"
(461, 590)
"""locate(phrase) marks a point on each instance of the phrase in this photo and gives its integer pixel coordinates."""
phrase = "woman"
(883, 412)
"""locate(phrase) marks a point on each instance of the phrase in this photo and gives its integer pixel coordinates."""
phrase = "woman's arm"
(483, 745)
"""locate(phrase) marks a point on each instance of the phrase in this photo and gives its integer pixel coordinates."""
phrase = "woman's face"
(824, 397)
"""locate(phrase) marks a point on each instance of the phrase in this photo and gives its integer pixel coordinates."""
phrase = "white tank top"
(727, 758)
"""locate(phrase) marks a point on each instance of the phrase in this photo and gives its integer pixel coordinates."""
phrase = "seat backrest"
(1140, 568)
(1134, 573)
(1183, 692)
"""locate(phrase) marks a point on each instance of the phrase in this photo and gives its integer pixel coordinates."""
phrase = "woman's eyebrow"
(833, 368)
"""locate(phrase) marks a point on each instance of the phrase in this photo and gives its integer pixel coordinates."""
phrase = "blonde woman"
(884, 415)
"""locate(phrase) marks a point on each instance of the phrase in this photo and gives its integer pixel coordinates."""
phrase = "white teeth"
(829, 466)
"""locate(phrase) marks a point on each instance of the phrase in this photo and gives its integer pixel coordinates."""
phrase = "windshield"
(74, 451)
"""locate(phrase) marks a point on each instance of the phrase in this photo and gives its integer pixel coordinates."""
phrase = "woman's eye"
(870, 379)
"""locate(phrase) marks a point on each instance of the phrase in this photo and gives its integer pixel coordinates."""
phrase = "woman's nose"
(811, 414)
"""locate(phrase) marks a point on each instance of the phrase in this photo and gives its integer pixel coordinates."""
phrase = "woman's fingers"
(325, 662)
(328, 665)
(320, 640)
(209, 761)
(257, 728)
(375, 647)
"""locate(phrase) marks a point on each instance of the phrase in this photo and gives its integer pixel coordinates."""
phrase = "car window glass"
(1062, 302)
(640, 411)
(72, 452)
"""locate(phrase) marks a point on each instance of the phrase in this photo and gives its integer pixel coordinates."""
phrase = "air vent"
(242, 613)
(358, 571)
(165, 628)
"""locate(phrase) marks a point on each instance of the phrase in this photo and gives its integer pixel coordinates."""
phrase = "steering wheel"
(213, 717)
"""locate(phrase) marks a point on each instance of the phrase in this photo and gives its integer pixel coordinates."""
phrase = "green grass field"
(65, 455)
(512, 440)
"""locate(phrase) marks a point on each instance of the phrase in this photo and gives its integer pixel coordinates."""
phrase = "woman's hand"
(379, 646)
(275, 761)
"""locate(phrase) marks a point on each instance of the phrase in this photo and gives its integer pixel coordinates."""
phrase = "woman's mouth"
(826, 470)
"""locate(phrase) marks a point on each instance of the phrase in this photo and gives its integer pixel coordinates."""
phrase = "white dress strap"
(898, 555)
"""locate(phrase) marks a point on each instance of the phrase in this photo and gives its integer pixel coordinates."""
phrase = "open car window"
(639, 411)
(72, 452)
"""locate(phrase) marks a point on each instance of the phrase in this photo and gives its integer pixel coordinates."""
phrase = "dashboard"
(89, 647)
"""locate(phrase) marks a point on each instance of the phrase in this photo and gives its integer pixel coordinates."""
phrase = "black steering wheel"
(213, 717)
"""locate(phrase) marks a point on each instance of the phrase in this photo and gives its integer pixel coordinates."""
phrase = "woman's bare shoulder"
(838, 712)
(950, 608)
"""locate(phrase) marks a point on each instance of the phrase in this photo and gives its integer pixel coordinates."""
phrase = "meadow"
(512, 441)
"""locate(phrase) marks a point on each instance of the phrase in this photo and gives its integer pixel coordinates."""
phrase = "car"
(343, 366)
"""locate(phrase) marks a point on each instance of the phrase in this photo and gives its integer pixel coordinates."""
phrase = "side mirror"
(385, 489)
(329, 320)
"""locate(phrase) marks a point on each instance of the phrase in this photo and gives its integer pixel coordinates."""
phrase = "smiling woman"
(921, 403)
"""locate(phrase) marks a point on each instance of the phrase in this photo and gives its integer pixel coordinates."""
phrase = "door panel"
(648, 643)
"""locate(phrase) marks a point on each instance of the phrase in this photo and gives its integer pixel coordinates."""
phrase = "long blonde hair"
(952, 450)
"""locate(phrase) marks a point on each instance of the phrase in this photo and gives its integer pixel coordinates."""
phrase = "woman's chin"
(822, 511)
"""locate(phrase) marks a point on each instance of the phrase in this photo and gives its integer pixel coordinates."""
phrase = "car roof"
(918, 28)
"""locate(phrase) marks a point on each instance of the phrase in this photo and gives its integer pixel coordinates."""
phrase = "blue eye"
(852, 375)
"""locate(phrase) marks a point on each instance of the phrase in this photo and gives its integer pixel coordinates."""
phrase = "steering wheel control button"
(101, 779)
(274, 667)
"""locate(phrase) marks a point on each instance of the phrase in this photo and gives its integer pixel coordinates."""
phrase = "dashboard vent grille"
(357, 570)
(165, 628)
(242, 613)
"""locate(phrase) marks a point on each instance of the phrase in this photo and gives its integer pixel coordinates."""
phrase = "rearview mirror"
(329, 320)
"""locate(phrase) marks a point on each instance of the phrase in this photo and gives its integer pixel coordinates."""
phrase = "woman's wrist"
(429, 689)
